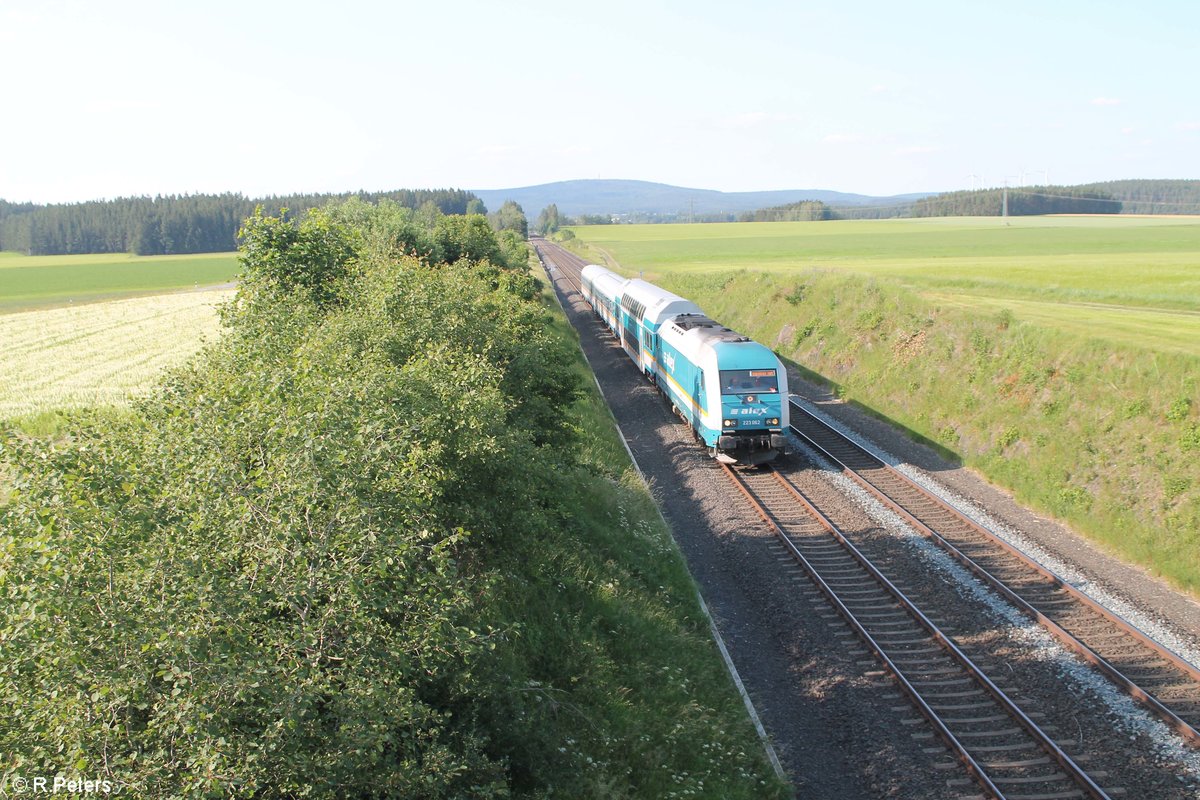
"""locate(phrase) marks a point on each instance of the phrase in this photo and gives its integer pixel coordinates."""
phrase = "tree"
(181, 224)
(548, 221)
(510, 217)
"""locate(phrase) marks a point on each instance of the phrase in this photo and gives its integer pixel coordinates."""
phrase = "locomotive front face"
(731, 390)
(753, 408)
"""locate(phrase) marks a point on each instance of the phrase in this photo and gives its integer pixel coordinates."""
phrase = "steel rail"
(962, 753)
(1073, 643)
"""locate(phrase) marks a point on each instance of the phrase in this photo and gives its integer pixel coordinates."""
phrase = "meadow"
(1131, 279)
(98, 354)
(1058, 356)
(41, 281)
(96, 330)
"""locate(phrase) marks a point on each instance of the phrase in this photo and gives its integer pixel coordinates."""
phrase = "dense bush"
(350, 551)
(257, 583)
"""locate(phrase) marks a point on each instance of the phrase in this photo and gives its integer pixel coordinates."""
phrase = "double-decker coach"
(644, 309)
(602, 291)
(731, 390)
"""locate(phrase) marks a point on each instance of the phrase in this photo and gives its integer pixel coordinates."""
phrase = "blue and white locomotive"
(732, 391)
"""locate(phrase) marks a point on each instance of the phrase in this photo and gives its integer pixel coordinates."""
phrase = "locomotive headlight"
(773, 421)
(729, 423)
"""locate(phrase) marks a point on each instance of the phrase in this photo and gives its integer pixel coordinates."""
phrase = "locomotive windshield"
(748, 381)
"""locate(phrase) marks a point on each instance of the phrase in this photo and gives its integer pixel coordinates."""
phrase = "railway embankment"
(720, 545)
(1101, 435)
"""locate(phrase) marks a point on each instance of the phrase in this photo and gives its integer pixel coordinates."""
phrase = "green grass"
(1031, 253)
(1058, 356)
(776, 244)
(1123, 277)
(662, 680)
(39, 281)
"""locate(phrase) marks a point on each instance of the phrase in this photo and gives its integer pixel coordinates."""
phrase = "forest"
(1152, 197)
(174, 224)
(1022, 201)
(804, 211)
(1110, 197)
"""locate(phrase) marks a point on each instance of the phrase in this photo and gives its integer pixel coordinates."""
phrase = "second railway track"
(1149, 672)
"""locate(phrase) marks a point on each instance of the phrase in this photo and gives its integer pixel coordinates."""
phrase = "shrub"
(1179, 409)
(263, 582)
(352, 551)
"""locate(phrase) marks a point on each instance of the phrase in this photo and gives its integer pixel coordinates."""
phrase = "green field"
(1059, 356)
(96, 330)
(40, 281)
(98, 354)
(1123, 278)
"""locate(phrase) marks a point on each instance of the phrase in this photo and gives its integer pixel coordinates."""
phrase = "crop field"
(41, 281)
(1135, 280)
(1059, 356)
(98, 354)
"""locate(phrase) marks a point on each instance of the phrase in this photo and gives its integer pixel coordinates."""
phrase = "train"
(731, 390)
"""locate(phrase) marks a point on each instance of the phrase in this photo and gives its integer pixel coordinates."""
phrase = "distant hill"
(659, 199)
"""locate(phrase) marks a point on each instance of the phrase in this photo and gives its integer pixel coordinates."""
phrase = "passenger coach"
(602, 291)
(644, 310)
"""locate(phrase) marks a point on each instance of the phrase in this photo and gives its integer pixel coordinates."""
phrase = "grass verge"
(656, 706)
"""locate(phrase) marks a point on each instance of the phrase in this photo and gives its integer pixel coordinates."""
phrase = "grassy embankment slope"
(630, 599)
(1059, 356)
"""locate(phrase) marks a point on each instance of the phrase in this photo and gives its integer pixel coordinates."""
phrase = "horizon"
(551, 183)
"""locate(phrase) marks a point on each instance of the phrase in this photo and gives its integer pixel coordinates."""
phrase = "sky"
(116, 98)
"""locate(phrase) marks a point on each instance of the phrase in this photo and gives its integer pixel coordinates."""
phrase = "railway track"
(566, 263)
(1144, 669)
(998, 744)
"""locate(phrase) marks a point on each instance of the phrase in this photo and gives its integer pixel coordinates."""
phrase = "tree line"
(803, 211)
(550, 219)
(164, 225)
(1021, 202)
(1152, 196)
